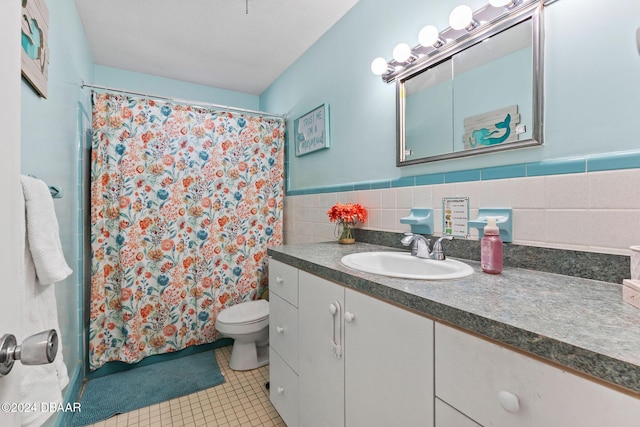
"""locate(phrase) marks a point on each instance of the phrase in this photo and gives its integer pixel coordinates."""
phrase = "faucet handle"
(408, 238)
(444, 238)
(438, 252)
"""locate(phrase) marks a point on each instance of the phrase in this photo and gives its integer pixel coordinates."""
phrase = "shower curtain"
(184, 202)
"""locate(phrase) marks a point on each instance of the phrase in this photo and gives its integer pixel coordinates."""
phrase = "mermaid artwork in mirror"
(482, 95)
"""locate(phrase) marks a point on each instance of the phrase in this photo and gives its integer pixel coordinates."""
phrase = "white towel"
(41, 383)
(42, 232)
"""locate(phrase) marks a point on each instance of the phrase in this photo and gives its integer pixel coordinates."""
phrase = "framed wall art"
(35, 46)
(311, 131)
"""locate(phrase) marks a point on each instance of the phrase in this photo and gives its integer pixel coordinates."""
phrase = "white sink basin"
(404, 265)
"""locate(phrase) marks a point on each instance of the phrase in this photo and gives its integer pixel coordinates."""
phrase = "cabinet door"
(446, 416)
(498, 387)
(321, 373)
(388, 364)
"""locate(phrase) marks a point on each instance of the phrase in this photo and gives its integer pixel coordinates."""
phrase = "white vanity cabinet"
(496, 386)
(283, 341)
(446, 416)
(362, 362)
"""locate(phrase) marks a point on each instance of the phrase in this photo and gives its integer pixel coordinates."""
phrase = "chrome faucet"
(420, 245)
(422, 248)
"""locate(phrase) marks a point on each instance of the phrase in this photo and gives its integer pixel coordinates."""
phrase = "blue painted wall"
(145, 83)
(591, 76)
(51, 151)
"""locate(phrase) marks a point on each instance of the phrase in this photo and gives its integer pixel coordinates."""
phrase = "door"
(10, 195)
(321, 369)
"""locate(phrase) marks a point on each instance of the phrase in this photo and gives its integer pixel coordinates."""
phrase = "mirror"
(482, 96)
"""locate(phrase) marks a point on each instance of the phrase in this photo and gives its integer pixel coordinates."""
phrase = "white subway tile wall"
(593, 211)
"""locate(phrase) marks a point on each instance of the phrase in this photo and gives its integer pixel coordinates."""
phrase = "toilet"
(248, 324)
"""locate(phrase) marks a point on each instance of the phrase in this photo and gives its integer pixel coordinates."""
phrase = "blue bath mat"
(136, 388)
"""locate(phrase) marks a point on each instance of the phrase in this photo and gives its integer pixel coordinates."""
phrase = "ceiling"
(209, 42)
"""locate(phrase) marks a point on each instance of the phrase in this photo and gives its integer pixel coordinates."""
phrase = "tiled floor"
(241, 401)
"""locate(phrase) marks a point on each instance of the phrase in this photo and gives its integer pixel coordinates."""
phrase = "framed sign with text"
(455, 216)
(311, 131)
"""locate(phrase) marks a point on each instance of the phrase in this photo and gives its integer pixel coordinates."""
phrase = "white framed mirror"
(483, 95)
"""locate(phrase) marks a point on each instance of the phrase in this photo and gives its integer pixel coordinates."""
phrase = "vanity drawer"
(283, 330)
(496, 386)
(283, 281)
(283, 389)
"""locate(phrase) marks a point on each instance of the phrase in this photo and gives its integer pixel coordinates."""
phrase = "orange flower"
(167, 159)
(223, 299)
(207, 282)
(186, 263)
(146, 310)
(349, 213)
(145, 223)
(169, 330)
(124, 201)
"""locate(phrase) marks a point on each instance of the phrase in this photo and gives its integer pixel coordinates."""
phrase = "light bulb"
(429, 36)
(402, 52)
(379, 66)
(501, 3)
(461, 17)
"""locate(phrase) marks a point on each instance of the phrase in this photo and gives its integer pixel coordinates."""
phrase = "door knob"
(38, 349)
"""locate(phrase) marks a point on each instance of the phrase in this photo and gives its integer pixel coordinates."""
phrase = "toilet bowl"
(248, 324)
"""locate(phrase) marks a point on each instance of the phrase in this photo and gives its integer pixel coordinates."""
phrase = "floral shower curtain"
(184, 202)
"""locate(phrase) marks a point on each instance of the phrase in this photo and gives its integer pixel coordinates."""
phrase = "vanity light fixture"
(402, 52)
(461, 18)
(430, 36)
(379, 66)
(509, 4)
(432, 42)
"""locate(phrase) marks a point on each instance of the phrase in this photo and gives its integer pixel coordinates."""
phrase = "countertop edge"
(590, 363)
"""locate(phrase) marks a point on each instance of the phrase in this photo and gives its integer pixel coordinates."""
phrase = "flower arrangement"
(347, 215)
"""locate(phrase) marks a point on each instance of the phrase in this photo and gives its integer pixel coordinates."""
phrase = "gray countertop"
(578, 323)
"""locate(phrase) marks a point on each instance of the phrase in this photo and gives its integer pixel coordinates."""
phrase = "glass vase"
(346, 236)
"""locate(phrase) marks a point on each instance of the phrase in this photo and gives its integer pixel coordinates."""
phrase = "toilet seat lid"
(245, 312)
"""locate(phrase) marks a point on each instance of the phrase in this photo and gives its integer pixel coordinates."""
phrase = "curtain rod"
(181, 101)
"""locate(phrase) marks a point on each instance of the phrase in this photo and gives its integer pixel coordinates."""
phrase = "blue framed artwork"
(311, 131)
(35, 45)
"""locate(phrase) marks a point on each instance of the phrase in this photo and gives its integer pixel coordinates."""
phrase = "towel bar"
(55, 190)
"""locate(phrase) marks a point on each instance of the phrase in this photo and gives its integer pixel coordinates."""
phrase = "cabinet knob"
(509, 401)
(349, 316)
(280, 390)
(279, 279)
(279, 329)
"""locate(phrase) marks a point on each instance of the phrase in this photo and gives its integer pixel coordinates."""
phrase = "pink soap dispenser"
(491, 248)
